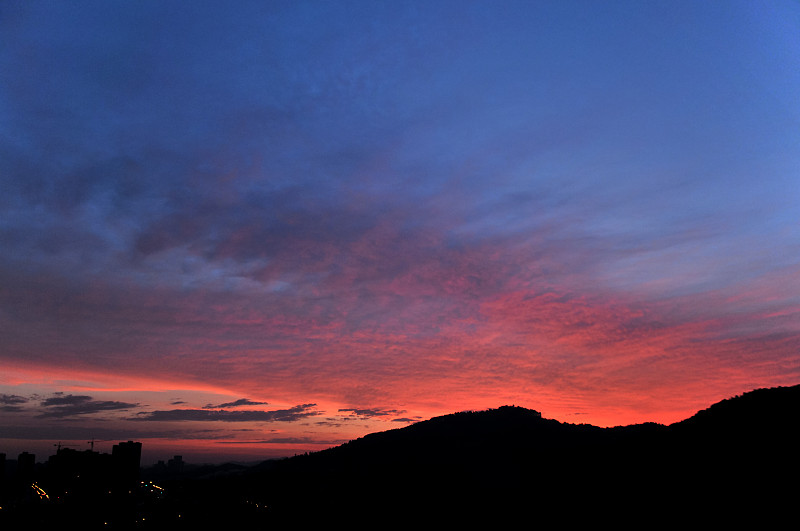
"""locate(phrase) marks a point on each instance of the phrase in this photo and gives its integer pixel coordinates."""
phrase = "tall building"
(26, 464)
(175, 465)
(126, 459)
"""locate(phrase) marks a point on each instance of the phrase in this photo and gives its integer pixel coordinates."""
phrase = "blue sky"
(406, 208)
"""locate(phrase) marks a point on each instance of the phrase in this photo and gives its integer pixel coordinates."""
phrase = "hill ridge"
(489, 458)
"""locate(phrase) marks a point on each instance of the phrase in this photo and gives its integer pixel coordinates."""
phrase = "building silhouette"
(175, 465)
(81, 473)
(26, 466)
(126, 459)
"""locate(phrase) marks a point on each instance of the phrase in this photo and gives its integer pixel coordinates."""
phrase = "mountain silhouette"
(734, 462)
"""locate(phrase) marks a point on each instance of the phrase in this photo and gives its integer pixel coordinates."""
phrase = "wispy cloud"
(66, 400)
(9, 400)
(446, 209)
(372, 412)
(64, 406)
(236, 403)
(279, 415)
(287, 440)
(12, 403)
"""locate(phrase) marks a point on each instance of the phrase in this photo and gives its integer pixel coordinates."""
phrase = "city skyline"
(243, 231)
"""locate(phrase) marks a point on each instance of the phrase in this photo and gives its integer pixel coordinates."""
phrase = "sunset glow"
(249, 230)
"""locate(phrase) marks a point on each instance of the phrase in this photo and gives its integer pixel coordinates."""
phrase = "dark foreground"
(736, 462)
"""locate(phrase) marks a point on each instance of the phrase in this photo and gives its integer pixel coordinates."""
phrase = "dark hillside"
(742, 451)
(774, 409)
(733, 464)
(509, 461)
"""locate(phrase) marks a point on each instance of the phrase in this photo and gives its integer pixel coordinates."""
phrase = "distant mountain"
(733, 464)
(736, 459)
(772, 409)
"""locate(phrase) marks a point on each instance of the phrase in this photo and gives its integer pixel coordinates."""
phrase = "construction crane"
(91, 443)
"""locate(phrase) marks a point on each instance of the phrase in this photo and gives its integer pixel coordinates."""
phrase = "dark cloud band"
(281, 415)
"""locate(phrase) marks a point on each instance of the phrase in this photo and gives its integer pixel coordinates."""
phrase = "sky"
(244, 230)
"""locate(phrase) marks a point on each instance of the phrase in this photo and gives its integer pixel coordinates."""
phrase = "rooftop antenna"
(91, 444)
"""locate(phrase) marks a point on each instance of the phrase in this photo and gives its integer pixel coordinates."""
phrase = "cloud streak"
(235, 403)
(68, 406)
(292, 414)
(371, 412)
(12, 403)
(12, 400)
(395, 212)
